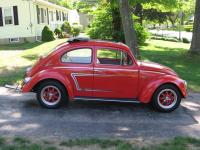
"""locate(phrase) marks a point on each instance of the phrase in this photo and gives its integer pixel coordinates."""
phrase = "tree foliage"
(65, 3)
(102, 27)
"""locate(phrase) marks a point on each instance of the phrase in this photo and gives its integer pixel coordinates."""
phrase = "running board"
(106, 100)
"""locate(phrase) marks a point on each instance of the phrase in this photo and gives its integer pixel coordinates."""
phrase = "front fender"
(43, 75)
(147, 92)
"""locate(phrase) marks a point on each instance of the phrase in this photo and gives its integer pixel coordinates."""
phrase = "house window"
(51, 16)
(14, 40)
(60, 15)
(8, 16)
(42, 15)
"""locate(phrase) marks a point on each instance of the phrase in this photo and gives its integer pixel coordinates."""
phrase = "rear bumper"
(183, 88)
(14, 87)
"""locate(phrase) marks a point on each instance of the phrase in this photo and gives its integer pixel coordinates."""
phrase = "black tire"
(62, 95)
(169, 88)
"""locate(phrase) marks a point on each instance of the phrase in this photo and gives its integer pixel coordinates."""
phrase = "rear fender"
(43, 75)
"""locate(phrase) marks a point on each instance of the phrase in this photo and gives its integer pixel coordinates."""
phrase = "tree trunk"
(195, 45)
(129, 31)
(139, 12)
(116, 23)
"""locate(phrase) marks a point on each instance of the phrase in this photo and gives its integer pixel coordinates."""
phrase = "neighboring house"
(23, 20)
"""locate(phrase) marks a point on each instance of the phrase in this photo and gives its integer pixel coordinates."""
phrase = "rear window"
(81, 56)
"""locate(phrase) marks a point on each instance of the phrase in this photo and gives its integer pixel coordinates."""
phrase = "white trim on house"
(3, 16)
(46, 3)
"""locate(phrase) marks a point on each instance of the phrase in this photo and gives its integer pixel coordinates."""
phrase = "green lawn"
(15, 58)
(18, 143)
(175, 55)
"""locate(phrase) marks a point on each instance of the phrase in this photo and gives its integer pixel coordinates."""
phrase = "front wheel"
(166, 98)
(51, 94)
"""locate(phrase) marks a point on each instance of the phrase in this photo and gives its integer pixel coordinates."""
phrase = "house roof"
(46, 3)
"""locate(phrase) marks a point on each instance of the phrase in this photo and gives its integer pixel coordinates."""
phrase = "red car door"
(77, 66)
(115, 74)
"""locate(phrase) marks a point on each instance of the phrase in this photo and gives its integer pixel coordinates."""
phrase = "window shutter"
(15, 13)
(1, 17)
(47, 15)
(38, 14)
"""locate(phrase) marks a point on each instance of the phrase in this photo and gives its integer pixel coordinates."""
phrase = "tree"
(65, 3)
(195, 45)
(129, 31)
(116, 21)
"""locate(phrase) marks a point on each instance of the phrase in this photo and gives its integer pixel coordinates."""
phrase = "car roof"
(74, 42)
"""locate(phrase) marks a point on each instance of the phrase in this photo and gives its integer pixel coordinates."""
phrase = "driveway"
(184, 34)
(21, 115)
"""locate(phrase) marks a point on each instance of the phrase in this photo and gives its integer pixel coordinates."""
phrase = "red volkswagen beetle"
(83, 69)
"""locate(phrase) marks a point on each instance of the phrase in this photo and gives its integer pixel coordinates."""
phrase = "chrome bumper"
(14, 87)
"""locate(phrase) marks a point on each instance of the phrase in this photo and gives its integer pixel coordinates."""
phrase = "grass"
(175, 55)
(178, 143)
(15, 58)
(102, 143)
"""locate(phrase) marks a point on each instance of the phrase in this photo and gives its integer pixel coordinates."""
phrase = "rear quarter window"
(80, 56)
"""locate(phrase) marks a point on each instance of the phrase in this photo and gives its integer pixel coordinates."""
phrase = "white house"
(23, 20)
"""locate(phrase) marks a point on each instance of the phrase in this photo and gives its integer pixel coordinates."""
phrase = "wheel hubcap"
(167, 98)
(50, 95)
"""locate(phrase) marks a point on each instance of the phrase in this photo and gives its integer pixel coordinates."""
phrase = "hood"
(151, 66)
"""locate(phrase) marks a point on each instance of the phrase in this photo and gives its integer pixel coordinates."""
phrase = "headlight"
(27, 79)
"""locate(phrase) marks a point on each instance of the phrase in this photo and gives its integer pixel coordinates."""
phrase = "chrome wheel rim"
(50, 95)
(167, 98)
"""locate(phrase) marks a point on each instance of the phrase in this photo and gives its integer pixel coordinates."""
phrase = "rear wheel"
(51, 94)
(166, 98)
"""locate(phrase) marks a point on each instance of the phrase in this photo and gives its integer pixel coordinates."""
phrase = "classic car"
(94, 70)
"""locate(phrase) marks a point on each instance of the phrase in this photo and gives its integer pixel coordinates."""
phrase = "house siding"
(27, 27)
(21, 30)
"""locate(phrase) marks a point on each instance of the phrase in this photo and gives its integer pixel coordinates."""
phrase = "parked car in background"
(84, 69)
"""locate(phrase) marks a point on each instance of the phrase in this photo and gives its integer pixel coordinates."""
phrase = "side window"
(81, 56)
(113, 57)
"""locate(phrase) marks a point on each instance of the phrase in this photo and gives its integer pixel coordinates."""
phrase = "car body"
(83, 69)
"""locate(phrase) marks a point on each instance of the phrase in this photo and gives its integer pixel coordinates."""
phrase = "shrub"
(188, 28)
(75, 31)
(141, 33)
(47, 34)
(59, 33)
(66, 27)
(101, 26)
(165, 38)
(185, 40)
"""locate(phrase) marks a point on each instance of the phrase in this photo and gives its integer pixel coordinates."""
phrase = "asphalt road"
(20, 115)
